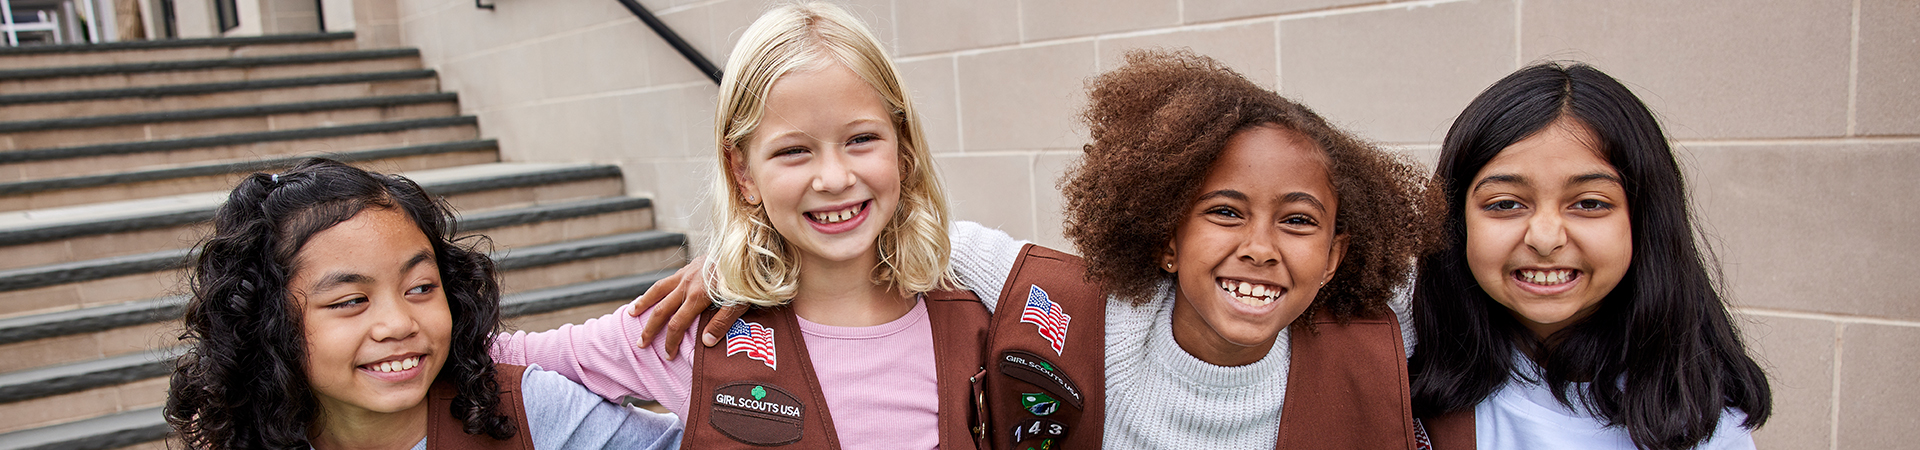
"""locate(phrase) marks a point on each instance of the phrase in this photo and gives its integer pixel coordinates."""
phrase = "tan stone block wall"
(1797, 121)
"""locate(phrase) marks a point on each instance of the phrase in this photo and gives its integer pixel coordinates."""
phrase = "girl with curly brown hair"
(1249, 254)
(331, 309)
(1242, 256)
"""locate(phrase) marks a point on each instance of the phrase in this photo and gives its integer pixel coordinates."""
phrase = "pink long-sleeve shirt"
(879, 381)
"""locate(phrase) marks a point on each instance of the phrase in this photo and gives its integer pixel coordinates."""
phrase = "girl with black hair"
(1574, 308)
(331, 309)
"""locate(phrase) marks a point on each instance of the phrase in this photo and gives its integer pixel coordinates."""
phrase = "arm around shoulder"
(602, 355)
(982, 259)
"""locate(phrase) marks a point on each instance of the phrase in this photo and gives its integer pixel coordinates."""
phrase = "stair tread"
(104, 432)
(175, 43)
(207, 64)
(209, 88)
(220, 113)
(54, 380)
(90, 319)
(147, 209)
(122, 148)
(232, 166)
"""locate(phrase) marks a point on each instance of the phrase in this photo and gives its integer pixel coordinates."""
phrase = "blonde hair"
(750, 261)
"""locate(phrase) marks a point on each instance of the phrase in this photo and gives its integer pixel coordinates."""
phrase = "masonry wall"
(1798, 123)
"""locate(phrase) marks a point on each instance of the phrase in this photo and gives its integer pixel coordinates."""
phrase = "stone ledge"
(176, 43)
(210, 88)
(86, 181)
(104, 432)
(205, 64)
(124, 148)
(223, 113)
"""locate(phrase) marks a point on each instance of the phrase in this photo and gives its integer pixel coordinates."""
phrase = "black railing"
(672, 38)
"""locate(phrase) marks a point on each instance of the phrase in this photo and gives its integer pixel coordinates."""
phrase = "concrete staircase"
(114, 156)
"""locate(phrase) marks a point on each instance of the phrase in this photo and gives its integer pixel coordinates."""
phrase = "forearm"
(982, 259)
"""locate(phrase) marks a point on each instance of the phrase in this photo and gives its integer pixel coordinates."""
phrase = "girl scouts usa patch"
(757, 413)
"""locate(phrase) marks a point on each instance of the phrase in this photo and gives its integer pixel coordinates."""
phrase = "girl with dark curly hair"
(331, 309)
(1574, 309)
(1248, 253)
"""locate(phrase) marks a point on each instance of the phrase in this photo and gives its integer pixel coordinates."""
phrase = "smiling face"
(1547, 229)
(824, 164)
(377, 324)
(1251, 253)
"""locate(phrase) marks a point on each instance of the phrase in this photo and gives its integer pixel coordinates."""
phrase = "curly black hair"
(1158, 124)
(242, 382)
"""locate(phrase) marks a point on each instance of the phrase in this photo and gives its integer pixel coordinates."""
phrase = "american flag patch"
(1048, 316)
(755, 340)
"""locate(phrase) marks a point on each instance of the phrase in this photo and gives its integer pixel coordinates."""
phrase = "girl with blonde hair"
(831, 223)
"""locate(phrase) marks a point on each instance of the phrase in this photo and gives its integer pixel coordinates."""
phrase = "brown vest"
(746, 401)
(1451, 431)
(1347, 386)
(446, 432)
(1039, 394)
(1339, 394)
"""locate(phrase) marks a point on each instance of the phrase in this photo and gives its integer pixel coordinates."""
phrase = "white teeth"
(837, 216)
(396, 366)
(1546, 277)
(1249, 293)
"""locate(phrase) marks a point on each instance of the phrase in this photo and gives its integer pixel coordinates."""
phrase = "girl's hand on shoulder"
(684, 292)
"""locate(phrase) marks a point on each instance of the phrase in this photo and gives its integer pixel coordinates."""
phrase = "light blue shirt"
(565, 415)
(1524, 415)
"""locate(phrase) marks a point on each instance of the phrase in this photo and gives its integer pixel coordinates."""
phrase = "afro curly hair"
(1159, 122)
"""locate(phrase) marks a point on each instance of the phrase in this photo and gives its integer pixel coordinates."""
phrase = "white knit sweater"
(1158, 395)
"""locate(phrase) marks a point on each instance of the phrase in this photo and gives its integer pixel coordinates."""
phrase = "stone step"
(111, 431)
(57, 394)
(172, 50)
(30, 398)
(109, 282)
(161, 73)
(55, 238)
(181, 179)
(149, 126)
(53, 105)
(97, 159)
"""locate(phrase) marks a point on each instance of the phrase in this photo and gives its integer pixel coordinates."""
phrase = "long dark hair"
(242, 382)
(1663, 331)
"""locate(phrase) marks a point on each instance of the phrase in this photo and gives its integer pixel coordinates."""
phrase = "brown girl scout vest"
(446, 432)
(761, 391)
(1450, 431)
(1047, 369)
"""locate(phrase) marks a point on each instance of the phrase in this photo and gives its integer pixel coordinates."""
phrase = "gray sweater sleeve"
(982, 259)
(564, 415)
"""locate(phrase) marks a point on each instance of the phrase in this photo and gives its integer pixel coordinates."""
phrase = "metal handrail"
(686, 50)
